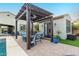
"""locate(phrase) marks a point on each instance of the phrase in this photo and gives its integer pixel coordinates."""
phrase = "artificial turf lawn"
(70, 42)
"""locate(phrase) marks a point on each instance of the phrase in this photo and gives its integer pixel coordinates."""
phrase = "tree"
(76, 27)
(37, 27)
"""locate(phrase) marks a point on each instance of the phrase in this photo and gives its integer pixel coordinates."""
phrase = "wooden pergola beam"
(46, 17)
(38, 9)
(34, 9)
(21, 14)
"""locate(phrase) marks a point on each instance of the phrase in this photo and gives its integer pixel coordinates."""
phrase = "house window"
(55, 24)
(22, 27)
(68, 28)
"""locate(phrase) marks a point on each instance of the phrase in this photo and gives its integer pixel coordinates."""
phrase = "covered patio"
(31, 13)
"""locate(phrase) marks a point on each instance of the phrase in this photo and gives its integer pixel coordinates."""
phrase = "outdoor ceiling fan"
(33, 16)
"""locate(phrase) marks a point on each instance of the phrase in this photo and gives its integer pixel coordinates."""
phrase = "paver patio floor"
(46, 48)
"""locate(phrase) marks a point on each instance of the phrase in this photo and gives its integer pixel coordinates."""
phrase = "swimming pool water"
(3, 47)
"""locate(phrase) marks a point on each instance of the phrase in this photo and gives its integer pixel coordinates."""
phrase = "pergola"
(32, 13)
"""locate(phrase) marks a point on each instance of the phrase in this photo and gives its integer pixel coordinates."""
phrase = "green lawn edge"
(70, 42)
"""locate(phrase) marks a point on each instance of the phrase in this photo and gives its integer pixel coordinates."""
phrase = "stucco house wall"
(59, 25)
(7, 18)
(20, 22)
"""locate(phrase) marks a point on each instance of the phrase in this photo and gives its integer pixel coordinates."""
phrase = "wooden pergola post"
(32, 27)
(28, 19)
(16, 28)
(44, 29)
(51, 28)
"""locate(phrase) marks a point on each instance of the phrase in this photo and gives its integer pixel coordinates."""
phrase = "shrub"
(56, 36)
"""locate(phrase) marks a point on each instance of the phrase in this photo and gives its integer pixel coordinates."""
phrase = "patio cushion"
(23, 36)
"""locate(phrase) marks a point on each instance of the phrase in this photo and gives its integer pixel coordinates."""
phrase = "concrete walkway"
(13, 49)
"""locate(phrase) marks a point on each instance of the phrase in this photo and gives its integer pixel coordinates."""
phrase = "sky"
(11, 7)
(62, 8)
(56, 8)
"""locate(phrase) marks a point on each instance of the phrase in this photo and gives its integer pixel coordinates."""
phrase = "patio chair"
(34, 38)
(38, 37)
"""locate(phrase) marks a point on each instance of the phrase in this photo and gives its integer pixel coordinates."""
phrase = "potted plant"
(56, 38)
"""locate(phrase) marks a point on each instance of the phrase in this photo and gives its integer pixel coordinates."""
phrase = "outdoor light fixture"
(8, 15)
